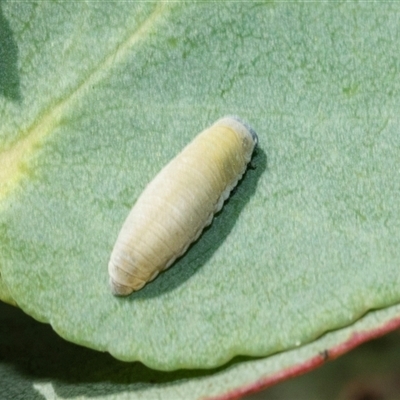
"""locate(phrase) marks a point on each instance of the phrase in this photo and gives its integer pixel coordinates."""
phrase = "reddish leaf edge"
(355, 340)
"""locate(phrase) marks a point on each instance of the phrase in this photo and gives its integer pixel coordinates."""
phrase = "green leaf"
(9, 78)
(5, 294)
(307, 244)
(36, 363)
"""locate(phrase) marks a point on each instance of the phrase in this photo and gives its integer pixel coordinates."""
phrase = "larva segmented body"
(179, 203)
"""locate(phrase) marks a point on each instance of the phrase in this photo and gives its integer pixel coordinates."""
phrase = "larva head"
(246, 133)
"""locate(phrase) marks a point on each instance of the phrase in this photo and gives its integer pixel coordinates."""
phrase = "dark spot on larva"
(253, 133)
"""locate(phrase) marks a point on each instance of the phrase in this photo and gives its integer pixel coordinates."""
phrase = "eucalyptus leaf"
(36, 363)
(308, 243)
(5, 293)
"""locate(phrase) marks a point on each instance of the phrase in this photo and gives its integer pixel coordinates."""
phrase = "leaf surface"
(36, 363)
(310, 240)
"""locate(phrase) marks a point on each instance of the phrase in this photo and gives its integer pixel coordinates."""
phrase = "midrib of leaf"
(12, 158)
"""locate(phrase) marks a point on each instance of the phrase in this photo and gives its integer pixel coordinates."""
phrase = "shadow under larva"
(179, 203)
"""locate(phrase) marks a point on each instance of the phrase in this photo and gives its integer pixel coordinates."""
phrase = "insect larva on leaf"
(179, 203)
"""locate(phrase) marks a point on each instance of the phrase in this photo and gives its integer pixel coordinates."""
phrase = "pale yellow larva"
(179, 203)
